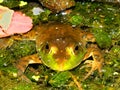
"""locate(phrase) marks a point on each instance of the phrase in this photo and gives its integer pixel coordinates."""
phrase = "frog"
(61, 47)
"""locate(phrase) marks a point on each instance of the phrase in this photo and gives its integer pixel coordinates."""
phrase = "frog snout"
(61, 56)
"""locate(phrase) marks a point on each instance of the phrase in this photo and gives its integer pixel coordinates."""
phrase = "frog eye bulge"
(76, 49)
(46, 47)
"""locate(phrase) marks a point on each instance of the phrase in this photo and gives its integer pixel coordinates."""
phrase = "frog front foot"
(23, 63)
(95, 64)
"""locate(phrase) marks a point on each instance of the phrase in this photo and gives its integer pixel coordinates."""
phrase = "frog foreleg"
(97, 62)
(24, 62)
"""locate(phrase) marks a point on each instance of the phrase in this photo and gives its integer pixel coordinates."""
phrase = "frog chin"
(57, 66)
(61, 64)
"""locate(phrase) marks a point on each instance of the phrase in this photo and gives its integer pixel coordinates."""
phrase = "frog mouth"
(61, 64)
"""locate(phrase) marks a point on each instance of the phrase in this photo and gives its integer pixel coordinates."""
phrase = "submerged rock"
(57, 5)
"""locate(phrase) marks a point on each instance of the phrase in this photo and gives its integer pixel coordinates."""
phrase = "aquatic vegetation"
(102, 19)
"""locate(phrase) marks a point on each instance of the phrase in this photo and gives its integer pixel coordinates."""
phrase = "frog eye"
(77, 48)
(47, 46)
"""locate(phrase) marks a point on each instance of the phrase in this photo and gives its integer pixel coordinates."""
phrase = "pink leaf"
(19, 24)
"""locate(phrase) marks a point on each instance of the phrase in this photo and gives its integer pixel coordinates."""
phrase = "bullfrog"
(62, 47)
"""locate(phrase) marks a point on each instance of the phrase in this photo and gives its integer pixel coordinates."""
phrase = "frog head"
(62, 53)
(60, 46)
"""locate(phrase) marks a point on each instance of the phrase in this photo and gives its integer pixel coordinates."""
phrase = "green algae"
(75, 19)
(7, 83)
(22, 48)
(5, 57)
(11, 3)
(60, 79)
(102, 38)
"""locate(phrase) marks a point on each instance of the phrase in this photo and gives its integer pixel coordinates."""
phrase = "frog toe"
(95, 65)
